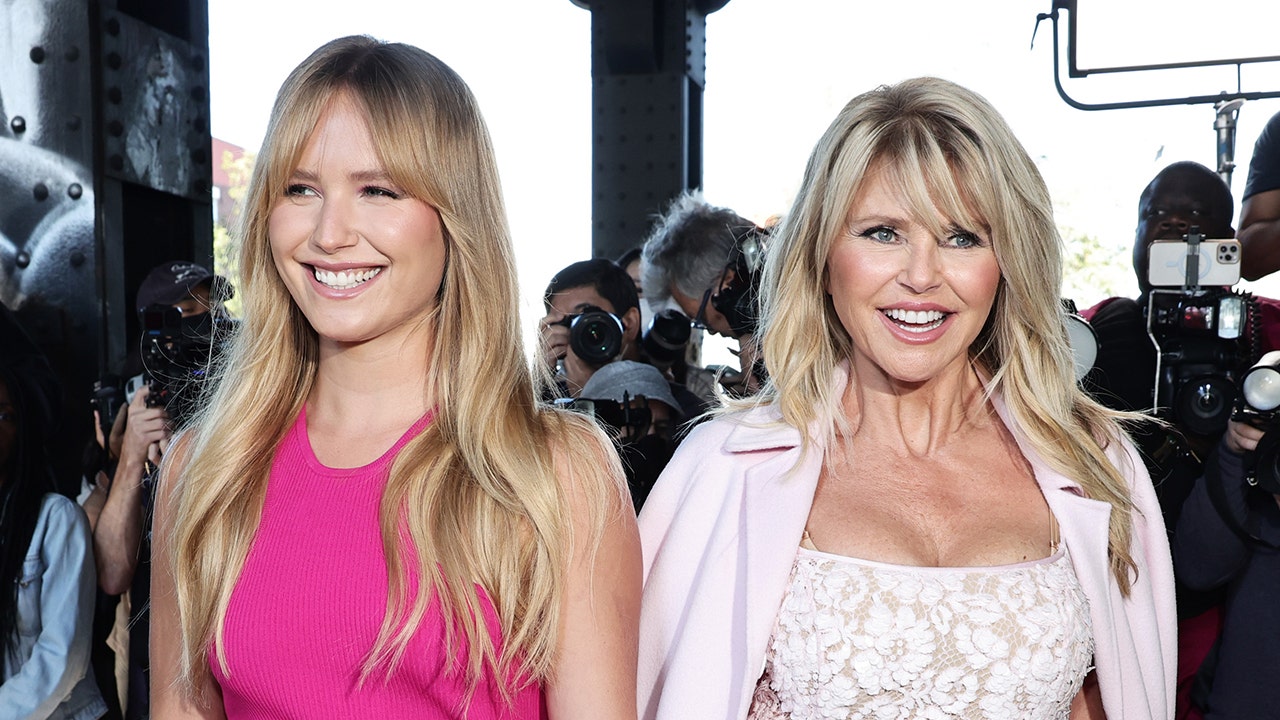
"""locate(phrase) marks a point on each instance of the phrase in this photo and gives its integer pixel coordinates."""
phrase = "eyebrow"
(360, 176)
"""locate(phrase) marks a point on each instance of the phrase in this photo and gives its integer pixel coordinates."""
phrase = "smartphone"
(1219, 264)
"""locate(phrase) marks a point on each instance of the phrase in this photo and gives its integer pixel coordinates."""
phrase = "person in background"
(375, 515)
(692, 257)
(1260, 211)
(46, 555)
(1181, 196)
(583, 286)
(921, 514)
(1228, 540)
(183, 300)
(630, 261)
(643, 413)
(602, 285)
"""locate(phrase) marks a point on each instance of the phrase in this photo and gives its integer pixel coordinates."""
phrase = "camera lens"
(1204, 403)
(667, 336)
(596, 337)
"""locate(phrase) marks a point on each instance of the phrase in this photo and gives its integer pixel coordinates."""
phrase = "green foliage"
(225, 252)
(1093, 270)
(224, 263)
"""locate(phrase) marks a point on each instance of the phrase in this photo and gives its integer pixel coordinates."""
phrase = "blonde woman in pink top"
(375, 517)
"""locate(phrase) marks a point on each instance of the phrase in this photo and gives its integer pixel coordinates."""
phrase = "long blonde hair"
(945, 147)
(479, 487)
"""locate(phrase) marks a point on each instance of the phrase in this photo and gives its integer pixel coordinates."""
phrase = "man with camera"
(707, 260)
(590, 338)
(179, 305)
(594, 301)
(1179, 351)
(1228, 537)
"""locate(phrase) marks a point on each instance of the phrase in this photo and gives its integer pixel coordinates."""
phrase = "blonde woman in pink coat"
(921, 515)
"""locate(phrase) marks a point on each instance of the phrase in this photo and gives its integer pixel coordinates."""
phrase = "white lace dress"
(861, 639)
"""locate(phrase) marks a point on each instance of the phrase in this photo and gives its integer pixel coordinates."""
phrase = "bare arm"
(1260, 234)
(168, 700)
(117, 535)
(1087, 704)
(595, 669)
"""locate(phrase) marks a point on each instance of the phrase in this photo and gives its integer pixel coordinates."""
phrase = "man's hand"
(146, 430)
(554, 341)
(1243, 437)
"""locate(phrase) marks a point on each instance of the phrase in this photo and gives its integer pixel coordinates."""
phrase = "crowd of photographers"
(616, 336)
(1197, 357)
(620, 341)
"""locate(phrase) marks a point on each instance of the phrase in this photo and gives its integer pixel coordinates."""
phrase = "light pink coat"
(720, 533)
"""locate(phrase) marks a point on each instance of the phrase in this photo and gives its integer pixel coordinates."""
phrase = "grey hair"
(688, 247)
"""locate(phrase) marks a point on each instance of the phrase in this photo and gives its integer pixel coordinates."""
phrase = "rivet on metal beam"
(114, 95)
(74, 191)
(72, 54)
(113, 61)
(77, 259)
(113, 27)
(115, 128)
(23, 259)
(41, 192)
(19, 124)
(37, 54)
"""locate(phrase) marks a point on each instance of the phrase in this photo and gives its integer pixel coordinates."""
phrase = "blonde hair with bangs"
(479, 486)
(949, 152)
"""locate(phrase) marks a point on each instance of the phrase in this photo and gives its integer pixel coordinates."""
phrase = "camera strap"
(1247, 529)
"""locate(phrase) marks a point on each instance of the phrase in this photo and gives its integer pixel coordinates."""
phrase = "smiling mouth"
(344, 279)
(916, 321)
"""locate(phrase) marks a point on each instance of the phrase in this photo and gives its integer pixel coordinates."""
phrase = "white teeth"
(344, 279)
(916, 320)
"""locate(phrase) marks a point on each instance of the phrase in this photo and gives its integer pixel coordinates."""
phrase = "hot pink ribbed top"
(311, 598)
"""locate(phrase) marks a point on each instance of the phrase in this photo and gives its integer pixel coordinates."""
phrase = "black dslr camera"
(628, 420)
(594, 334)
(665, 340)
(108, 398)
(1200, 330)
(738, 299)
(177, 354)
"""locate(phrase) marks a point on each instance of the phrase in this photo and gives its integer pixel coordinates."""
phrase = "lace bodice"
(860, 639)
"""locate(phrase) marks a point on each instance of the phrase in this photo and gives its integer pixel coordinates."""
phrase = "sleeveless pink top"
(311, 598)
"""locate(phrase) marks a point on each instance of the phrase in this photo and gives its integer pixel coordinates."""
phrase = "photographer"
(595, 300)
(1182, 197)
(1231, 541)
(179, 304)
(590, 286)
(634, 402)
(706, 259)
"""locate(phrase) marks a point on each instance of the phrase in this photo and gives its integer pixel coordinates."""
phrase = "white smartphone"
(1219, 264)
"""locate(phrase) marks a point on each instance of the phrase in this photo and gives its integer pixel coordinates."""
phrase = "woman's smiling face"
(361, 257)
(912, 302)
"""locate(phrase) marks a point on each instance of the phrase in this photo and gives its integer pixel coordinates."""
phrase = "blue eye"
(965, 240)
(382, 192)
(880, 234)
(298, 190)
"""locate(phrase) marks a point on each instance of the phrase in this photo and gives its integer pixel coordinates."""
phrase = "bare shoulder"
(586, 464)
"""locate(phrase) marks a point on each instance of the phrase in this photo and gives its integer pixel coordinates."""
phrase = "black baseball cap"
(172, 282)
